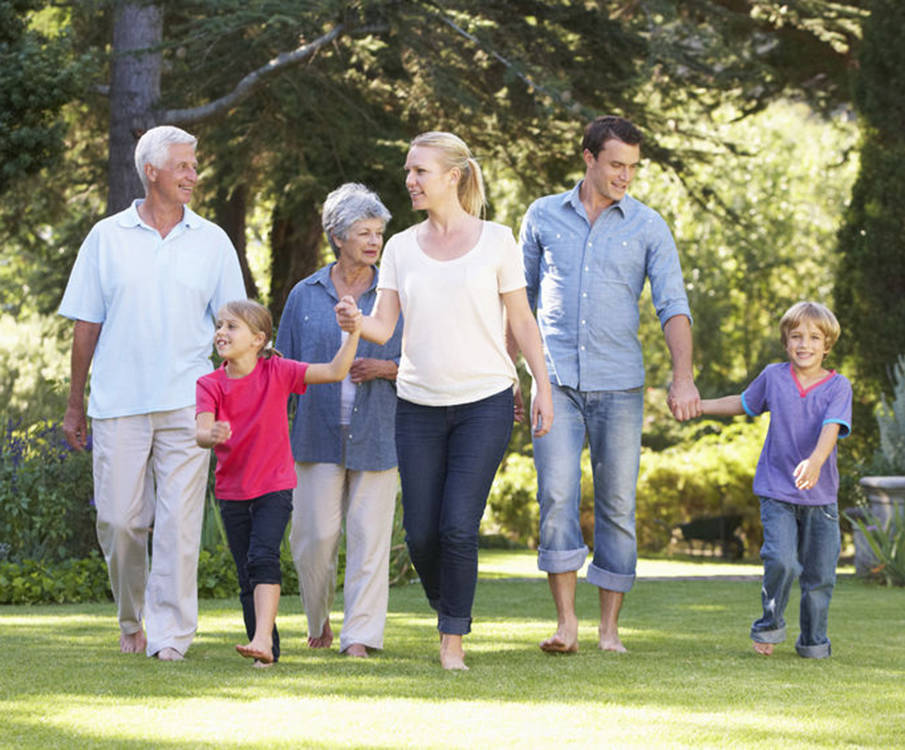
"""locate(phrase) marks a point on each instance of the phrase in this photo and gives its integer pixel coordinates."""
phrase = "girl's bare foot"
(324, 640)
(358, 650)
(452, 654)
(133, 643)
(764, 649)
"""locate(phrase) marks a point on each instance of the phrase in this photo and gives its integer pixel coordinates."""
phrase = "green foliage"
(886, 540)
(512, 508)
(891, 421)
(69, 582)
(46, 495)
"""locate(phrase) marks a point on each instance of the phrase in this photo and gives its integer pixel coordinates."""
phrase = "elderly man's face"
(175, 180)
(363, 243)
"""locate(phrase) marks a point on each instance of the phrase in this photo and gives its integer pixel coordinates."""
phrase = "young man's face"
(611, 173)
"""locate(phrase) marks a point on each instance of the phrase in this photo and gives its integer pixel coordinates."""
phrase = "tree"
(870, 286)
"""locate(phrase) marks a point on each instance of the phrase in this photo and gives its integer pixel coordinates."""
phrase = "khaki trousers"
(326, 494)
(150, 474)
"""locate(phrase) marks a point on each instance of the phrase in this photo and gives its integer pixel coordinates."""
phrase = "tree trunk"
(229, 213)
(295, 252)
(134, 90)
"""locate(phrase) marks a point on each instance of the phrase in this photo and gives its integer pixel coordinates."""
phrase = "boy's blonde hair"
(455, 153)
(258, 319)
(813, 312)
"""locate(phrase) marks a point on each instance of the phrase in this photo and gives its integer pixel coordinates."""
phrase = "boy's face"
(806, 347)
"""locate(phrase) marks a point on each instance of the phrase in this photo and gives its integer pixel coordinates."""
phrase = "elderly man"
(343, 433)
(587, 254)
(144, 292)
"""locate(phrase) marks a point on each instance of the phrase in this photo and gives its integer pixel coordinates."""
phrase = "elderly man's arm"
(684, 400)
(84, 342)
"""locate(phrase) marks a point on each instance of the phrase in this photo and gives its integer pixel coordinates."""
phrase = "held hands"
(542, 412)
(806, 474)
(348, 316)
(220, 432)
(683, 400)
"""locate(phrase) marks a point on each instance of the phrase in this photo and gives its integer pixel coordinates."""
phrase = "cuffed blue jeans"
(254, 532)
(803, 541)
(448, 456)
(611, 421)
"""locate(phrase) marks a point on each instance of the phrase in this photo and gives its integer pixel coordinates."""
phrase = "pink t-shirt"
(257, 458)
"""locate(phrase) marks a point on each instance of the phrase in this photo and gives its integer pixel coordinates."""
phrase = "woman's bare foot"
(258, 664)
(358, 650)
(169, 654)
(133, 643)
(324, 640)
(452, 654)
(609, 641)
(764, 649)
(261, 652)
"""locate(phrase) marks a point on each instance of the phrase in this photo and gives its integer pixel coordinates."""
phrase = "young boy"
(796, 477)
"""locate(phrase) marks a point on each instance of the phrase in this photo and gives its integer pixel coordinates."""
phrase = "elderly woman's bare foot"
(169, 654)
(452, 653)
(133, 643)
(764, 649)
(324, 640)
(358, 650)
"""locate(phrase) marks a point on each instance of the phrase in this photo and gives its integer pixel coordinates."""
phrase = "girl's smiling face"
(234, 338)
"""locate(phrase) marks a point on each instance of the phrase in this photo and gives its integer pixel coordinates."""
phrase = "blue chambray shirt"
(585, 281)
(308, 332)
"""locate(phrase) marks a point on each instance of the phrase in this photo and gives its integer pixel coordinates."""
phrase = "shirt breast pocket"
(623, 260)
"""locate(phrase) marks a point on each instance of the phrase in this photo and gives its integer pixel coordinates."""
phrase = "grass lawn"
(690, 679)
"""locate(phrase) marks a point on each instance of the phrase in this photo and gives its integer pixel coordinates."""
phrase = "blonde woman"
(457, 280)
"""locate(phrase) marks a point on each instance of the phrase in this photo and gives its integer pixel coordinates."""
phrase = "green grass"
(690, 679)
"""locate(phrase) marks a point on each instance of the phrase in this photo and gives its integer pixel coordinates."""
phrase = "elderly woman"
(342, 435)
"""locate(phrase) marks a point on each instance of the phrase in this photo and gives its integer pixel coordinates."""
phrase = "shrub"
(46, 495)
(72, 581)
(890, 457)
(886, 540)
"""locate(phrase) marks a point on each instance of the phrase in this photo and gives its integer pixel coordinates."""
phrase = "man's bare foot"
(452, 654)
(358, 650)
(169, 654)
(564, 640)
(133, 643)
(257, 652)
(764, 649)
(262, 664)
(324, 640)
(609, 641)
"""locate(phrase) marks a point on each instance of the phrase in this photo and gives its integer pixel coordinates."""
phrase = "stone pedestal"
(886, 496)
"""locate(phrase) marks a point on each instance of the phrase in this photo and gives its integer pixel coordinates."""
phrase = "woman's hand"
(348, 316)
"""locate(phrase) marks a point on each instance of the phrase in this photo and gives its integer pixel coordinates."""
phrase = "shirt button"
(590, 244)
(586, 268)
(584, 294)
(624, 243)
(584, 322)
(582, 347)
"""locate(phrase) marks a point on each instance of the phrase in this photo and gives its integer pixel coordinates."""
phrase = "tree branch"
(248, 85)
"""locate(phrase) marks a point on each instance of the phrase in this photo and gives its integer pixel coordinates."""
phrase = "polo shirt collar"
(130, 218)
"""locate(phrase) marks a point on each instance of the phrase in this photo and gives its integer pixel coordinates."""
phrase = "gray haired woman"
(343, 438)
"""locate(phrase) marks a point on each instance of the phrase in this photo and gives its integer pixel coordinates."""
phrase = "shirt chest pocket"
(620, 259)
(560, 253)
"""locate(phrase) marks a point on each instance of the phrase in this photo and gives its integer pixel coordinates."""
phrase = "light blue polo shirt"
(157, 299)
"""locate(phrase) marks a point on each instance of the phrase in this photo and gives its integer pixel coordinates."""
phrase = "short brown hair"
(606, 128)
(820, 315)
(258, 319)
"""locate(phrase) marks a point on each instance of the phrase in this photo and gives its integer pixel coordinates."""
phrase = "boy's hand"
(348, 316)
(806, 474)
(220, 432)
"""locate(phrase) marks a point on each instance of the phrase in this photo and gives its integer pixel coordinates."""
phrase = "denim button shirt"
(585, 282)
(308, 332)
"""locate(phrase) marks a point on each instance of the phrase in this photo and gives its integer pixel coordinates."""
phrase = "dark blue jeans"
(254, 531)
(448, 456)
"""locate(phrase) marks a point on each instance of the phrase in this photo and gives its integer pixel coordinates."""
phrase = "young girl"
(241, 413)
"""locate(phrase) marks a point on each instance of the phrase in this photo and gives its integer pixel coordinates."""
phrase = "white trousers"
(326, 495)
(150, 474)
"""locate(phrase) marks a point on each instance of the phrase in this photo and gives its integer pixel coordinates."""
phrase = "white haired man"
(143, 295)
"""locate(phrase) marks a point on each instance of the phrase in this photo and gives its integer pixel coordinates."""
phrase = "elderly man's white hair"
(153, 146)
(346, 205)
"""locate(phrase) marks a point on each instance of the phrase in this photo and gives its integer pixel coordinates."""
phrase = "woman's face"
(426, 179)
(362, 244)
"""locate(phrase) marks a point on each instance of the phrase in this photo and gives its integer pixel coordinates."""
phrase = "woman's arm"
(380, 324)
(727, 406)
(523, 329)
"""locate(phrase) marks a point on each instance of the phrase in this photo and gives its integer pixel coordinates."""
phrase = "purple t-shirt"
(796, 417)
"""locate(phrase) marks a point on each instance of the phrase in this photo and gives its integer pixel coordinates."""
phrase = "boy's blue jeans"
(448, 456)
(799, 540)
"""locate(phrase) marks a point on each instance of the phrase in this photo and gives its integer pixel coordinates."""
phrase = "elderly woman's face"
(362, 244)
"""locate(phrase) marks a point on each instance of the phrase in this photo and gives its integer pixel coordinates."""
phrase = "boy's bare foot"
(358, 650)
(133, 643)
(324, 640)
(610, 642)
(764, 649)
(257, 652)
(452, 654)
(169, 654)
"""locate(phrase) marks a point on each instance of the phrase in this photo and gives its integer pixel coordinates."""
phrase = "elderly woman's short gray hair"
(347, 204)
(153, 146)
